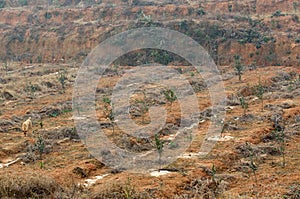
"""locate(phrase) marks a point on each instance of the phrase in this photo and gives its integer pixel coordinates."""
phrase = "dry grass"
(120, 191)
(28, 185)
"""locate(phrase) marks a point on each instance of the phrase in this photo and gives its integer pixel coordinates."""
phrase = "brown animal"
(26, 126)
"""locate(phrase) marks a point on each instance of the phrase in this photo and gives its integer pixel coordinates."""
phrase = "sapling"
(42, 165)
(41, 123)
(107, 104)
(252, 164)
(128, 189)
(143, 106)
(259, 92)
(279, 134)
(5, 66)
(238, 66)
(111, 117)
(170, 96)
(295, 5)
(62, 77)
(40, 145)
(213, 173)
(159, 144)
(244, 104)
(108, 111)
(224, 127)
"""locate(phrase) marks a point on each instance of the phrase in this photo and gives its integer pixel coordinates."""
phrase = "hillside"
(256, 154)
(262, 34)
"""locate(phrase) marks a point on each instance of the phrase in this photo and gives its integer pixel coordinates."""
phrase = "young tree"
(40, 145)
(295, 5)
(109, 111)
(107, 104)
(238, 66)
(244, 104)
(280, 137)
(252, 164)
(5, 66)
(159, 144)
(170, 96)
(259, 92)
(143, 108)
(62, 77)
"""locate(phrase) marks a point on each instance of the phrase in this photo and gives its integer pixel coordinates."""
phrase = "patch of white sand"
(159, 173)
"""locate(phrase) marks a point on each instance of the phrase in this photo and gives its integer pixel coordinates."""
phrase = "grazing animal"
(26, 126)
